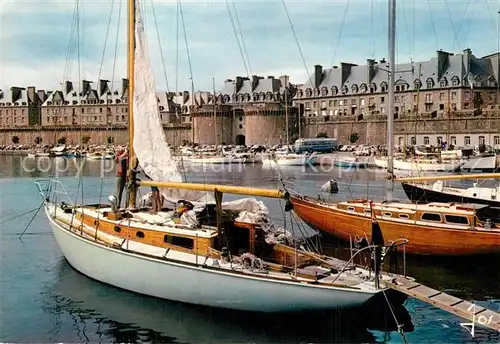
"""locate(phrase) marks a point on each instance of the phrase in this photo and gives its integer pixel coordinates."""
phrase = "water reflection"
(99, 312)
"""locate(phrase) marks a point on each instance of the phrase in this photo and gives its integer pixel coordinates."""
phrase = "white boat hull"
(482, 163)
(196, 284)
(287, 160)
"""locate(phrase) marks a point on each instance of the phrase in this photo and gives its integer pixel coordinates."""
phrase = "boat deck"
(465, 309)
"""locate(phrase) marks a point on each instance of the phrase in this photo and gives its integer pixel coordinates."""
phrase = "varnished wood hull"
(425, 240)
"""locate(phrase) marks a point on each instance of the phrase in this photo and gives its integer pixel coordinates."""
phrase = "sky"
(39, 39)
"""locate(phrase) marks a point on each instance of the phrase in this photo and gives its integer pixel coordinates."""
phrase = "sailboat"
(200, 250)
(431, 229)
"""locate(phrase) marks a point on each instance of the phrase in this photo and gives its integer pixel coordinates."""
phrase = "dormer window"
(255, 96)
(73, 94)
(247, 97)
(24, 103)
(324, 91)
(363, 88)
(344, 89)
(48, 103)
(115, 93)
(75, 102)
(417, 84)
(300, 93)
(443, 83)
(373, 87)
(383, 87)
(334, 90)
(455, 82)
(162, 108)
(316, 92)
(354, 88)
(430, 83)
(308, 92)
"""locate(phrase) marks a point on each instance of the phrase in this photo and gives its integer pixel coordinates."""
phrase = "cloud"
(36, 49)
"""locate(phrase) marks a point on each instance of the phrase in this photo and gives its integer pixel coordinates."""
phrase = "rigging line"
(490, 12)
(372, 36)
(432, 22)
(339, 36)
(70, 40)
(106, 40)
(116, 46)
(452, 23)
(159, 44)
(237, 38)
(187, 49)
(29, 223)
(242, 38)
(177, 56)
(18, 216)
(309, 76)
(461, 22)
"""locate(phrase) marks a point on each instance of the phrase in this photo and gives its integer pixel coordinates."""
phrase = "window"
(496, 140)
(439, 140)
(179, 241)
(368, 212)
(386, 213)
(453, 95)
(426, 140)
(462, 220)
(453, 140)
(413, 140)
(403, 216)
(431, 217)
(482, 140)
(382, 99)
(352, 209)
(467, 140)
(428, 98)
(441, 96)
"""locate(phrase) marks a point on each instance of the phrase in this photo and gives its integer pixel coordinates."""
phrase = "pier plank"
(481, 316)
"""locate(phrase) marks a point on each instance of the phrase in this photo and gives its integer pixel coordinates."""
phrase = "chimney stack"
(103, 87)
(318, 75)
(42, 95)
(370, 72)
(255, 81)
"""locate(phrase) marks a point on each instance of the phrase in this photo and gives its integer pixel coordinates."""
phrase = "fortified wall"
(98, 135)
(373, 130)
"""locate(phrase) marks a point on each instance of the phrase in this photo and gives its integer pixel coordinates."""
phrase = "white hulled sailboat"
(201, 250)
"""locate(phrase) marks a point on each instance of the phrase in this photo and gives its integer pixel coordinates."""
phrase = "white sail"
(150, 145)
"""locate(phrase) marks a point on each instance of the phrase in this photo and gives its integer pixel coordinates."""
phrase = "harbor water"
(43, 299)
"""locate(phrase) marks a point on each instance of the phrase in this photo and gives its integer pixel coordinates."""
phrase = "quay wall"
(271, 129)
(98, 135)
(374, 131)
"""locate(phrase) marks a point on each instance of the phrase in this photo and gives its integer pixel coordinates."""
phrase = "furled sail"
(150, 145)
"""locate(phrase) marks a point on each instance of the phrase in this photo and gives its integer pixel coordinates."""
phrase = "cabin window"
(368, 212)
(117, 229)
(351, 209)
(139, 234)
(386, 213)
(403, 216)
(179, 241)
(431, 217)
(462, 220)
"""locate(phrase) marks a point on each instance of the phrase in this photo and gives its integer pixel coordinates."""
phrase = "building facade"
(20, 107)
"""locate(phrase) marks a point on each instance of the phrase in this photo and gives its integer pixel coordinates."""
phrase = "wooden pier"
(476, 314)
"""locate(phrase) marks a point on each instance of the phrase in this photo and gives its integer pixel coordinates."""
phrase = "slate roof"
(444, 67)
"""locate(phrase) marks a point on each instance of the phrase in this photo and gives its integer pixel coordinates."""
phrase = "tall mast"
(390, 113)
(131, 60)
(286, 115)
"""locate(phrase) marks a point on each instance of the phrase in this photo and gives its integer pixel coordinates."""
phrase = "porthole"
(139, 234)
(117, 229)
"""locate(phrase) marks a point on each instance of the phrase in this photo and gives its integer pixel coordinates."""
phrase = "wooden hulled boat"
(431, 229)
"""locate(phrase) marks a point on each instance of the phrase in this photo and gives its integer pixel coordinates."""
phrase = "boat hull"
(424, 240)
(419, 194)
(197, 284)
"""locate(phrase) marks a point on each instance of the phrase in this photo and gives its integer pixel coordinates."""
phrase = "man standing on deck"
(121, 173)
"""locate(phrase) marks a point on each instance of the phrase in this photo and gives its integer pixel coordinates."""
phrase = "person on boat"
(121, 161)
(156, 198)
